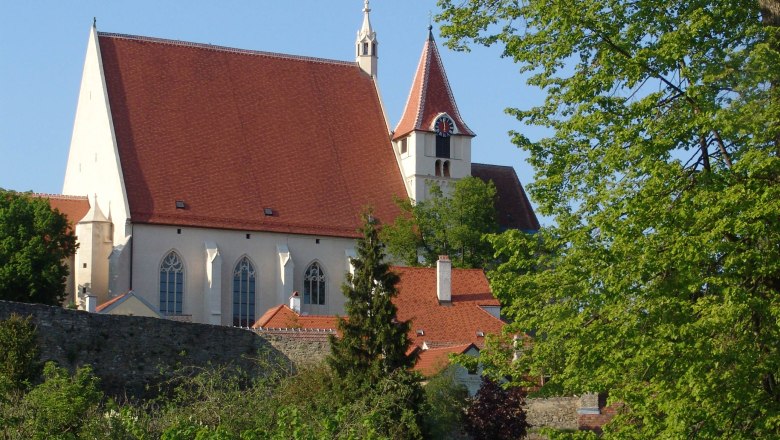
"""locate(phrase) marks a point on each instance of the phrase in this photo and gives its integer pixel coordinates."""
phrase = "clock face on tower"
(444, 126)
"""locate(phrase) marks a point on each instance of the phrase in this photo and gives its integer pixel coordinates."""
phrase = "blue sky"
(43, 44)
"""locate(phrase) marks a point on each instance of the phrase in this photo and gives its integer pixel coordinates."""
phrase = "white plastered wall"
(418, 164)
(152, 242)
(93, 162)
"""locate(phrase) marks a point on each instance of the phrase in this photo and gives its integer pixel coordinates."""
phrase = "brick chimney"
(295, 302)
(444, 279)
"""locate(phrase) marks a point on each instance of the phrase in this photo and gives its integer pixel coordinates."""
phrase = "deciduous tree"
(444, 224)
(660, 282)
(35, 242)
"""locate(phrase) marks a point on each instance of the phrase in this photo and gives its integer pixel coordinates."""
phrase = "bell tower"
(366, 45)
(431, 141)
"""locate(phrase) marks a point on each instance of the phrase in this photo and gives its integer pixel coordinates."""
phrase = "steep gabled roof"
(514, 208)
(430, 95)
(74, 207)
(230, 132)
(446, 324)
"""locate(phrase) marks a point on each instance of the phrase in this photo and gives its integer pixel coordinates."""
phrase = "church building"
(220, 180)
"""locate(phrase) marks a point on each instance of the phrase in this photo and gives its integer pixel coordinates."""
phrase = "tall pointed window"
(244, 293)
(171, 284)
(446, 168)
(314, 285)
(437, 164)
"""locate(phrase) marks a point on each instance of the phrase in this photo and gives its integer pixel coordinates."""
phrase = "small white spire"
(366, 44)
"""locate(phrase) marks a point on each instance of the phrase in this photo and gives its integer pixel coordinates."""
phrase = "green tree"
(660, 281)
(372, 347)
(19, 365)
(446, 225)
(35, 242)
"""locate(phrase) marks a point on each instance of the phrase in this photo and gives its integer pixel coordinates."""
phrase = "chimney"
(295, 302)
(91, 303)
(444, 279)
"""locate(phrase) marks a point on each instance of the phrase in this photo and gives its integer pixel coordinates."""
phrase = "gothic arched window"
(243, 293)
(446, 168)
(314, 285)
(171, 284)
(438, 168)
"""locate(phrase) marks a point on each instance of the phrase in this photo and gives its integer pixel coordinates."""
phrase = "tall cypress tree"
(373, 344)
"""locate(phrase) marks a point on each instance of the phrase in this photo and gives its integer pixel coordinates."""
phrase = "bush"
(496, 413)
(19, 364)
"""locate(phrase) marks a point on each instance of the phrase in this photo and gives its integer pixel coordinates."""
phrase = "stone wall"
(553, 412)
(300, 347)
(130, 352)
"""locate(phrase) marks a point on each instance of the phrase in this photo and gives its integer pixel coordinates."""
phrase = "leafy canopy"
(660, 281)
(444, 224)
(35, 242)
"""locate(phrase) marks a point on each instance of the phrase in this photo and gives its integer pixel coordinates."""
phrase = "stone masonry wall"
(130, 352)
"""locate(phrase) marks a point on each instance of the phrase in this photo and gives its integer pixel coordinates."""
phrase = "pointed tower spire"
(430, 96)
(366, 45)
(432, 142)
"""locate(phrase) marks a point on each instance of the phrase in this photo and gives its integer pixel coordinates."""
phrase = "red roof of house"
(108, 303)
(430, 95)
(283, 317)
(74, 207)
(514, 208)
(446, 324)
(443, 325)
(230, 132)
(431, 361)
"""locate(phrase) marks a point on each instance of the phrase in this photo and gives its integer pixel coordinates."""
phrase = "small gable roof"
(283, 317)
(74, 207)
(514, 208)
(231, 132)
(113, 303)
(430, 96)
(433, 360)
(446, 324)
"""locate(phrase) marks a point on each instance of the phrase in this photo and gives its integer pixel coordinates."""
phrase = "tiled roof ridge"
(269, 314)
(466, 130)
(60, 196)
(424, 85)
(459, 269)
(295, 330)
(110, 302)
(219, 48)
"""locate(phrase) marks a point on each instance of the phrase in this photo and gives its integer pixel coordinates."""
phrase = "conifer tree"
(372, 344)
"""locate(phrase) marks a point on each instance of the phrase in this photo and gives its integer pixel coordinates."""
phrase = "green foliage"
(660, 281)
(445, 405)
(34, 245)
(62, 406)
(371, 351)
(443, 225)
(19, 365)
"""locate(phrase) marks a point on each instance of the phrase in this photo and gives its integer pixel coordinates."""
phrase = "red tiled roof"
(74, 207)
(108, 303)
(514, 208)
(431, 361)
(430, 95)
(283, 317)
(447, 325)
(451, 324)
(231, 132)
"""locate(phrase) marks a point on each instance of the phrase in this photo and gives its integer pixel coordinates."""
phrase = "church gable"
(233, 139)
